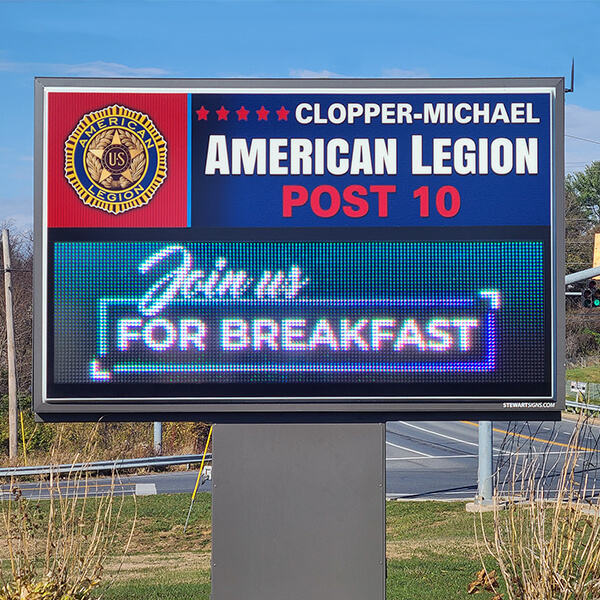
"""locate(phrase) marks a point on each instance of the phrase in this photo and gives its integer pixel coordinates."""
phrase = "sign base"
(298, 511)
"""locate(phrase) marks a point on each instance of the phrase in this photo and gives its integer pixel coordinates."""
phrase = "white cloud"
(90, 69)
(403, 74)
(308, 74)
(387, 73)
(17, 213)
(584, 124)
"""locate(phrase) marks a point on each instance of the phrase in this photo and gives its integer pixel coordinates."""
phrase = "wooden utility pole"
(10, 343)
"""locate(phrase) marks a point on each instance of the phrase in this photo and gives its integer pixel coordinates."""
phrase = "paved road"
(439, 460)
(424, 460)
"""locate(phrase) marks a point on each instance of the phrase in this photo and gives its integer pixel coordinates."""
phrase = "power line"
(582, 139)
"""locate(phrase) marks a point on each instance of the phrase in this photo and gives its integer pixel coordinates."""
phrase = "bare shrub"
(581, 335)
(56, 548)
(546, 537)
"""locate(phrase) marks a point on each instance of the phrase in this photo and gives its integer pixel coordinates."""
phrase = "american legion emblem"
(116, 159)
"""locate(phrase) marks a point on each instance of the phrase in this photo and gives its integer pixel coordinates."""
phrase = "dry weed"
(57, 548)
(546, 537)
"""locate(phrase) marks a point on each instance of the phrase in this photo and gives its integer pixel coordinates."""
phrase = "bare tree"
(21, 250)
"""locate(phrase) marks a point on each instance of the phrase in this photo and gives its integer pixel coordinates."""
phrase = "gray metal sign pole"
(485, 469)
(158, 432)
(298, 512)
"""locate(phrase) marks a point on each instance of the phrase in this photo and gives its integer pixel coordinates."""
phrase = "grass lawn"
(587, 374)
(431, 550)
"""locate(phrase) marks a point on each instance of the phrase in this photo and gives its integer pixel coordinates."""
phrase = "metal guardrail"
(106, 465)
(583, 406)
(157, 461)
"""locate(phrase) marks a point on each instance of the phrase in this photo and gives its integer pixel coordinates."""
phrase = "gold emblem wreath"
(97, 145)
(116, 160)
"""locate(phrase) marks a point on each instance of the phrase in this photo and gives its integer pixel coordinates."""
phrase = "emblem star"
(242, 114)
(116, 141)
(262, 113)
(202, 114)
(282, 114)
(222, 112)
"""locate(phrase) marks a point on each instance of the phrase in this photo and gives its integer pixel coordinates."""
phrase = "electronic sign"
(212, 247)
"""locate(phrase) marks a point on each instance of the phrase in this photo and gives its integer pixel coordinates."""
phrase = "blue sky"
(157, 38)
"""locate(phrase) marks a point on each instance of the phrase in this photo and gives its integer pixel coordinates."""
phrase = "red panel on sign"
(167, 203)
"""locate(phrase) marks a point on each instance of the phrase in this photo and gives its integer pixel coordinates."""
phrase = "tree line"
(21, 252)
(582, 223)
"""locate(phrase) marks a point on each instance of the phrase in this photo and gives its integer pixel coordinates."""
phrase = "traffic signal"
(591, 295)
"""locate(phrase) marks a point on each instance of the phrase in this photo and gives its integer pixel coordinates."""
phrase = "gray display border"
(249, 408)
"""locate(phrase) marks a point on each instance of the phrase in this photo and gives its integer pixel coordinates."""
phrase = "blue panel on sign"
(372, 159)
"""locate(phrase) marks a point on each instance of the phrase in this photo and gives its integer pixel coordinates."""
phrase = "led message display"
(276, 312)
(213, 247)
